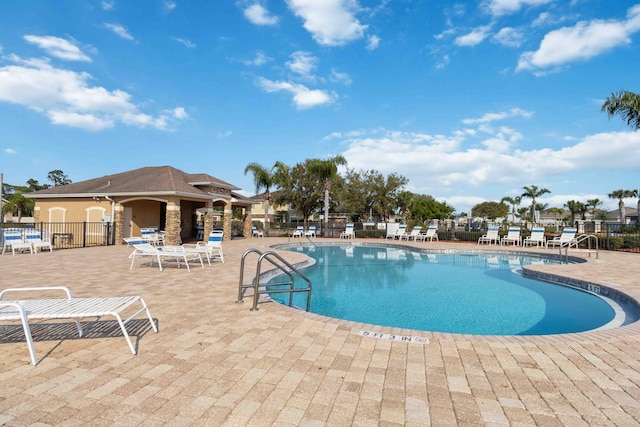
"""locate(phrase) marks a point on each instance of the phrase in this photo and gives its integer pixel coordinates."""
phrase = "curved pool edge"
(598, 334)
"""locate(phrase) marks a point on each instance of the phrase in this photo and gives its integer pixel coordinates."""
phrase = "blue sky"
(469, 100)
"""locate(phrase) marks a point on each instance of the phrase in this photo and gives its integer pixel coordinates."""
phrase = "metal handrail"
(287, 269)
(581, 238)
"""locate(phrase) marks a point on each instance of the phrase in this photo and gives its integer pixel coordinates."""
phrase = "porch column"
(36, 214)
(173, 224)
(118, 224)
(248, 222)
(227, 220)
(208, 221)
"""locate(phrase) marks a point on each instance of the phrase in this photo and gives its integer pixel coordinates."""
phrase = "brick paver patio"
(216, 363)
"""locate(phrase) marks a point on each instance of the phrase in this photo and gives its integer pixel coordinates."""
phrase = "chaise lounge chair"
(431, 234)
(256, 233)
(415, 234)
(175, 253)
(13, 239)
(299, 232)
(34, 237)
(348, 232)
(566, 239)
(491, 236)
(68, 308)
(311, 232)
(536, 237)
(513, 236)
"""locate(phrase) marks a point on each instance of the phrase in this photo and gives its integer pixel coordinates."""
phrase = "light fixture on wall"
(96, 198)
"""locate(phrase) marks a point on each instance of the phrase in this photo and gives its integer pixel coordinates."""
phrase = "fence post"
(84, 234)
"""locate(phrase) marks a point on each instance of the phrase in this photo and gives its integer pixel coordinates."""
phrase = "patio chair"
(536, 237)
(348, 232)
(415, 233)
(566, 239)
(299, 232)
(171, 253)
(513, 236)
(150, 234)
(400, 232)
(431, 234)
(69, 308)
(14, 239)
(256, 233)
(311, 232)
(213, 246)
(491, 236)
(34, 237)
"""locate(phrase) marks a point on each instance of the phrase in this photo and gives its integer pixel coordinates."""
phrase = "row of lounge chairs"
(416, 233)
(31, 239)
(537, 238)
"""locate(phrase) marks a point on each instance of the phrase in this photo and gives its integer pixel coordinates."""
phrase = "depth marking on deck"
(417, 340)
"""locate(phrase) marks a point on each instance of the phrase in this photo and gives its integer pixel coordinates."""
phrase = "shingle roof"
(152, 179)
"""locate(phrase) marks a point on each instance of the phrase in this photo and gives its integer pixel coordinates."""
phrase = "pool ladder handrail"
(579, 239)
(287, 269)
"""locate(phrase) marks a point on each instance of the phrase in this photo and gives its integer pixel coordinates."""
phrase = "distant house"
(158, 196)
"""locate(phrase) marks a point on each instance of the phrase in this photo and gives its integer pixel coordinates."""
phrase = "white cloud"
(10, 151)
(475, 37)
(66, 97)
(60, 48)
(373, 43)
(302, 63)
(492, 117)
(259, 15)
(509, 37)
(119, 30)
(260, 59)
(330, 22)
(168, 5)
(455, 162)
(581, 42)
(506, 7)
(107, 4)
(184, 41)
(303, 97)
(338, 77)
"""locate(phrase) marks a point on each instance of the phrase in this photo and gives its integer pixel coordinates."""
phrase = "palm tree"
(522, 214)
(262, 178)
(533, 192)
(575, 208)
(622, 194)
(514, 202)
(403, 201)
(326, 170)
(556, 212)
(625, 104)
(593, 204)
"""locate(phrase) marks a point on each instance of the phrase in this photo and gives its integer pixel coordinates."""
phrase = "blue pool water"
(459, 293)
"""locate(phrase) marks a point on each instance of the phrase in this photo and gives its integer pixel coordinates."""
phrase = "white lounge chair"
(213, 246)
(311, 232)
(392, 229)
(348, 232)
(175, 253)
(415, 233)
(491, 236)
(299, 232)
(34, 237)
(566, 239)
(14, 239)
(431, 234)
(256, 233)
(68, 308)
(151, 236)
(536, 237)
(400, 232)
(513, 236)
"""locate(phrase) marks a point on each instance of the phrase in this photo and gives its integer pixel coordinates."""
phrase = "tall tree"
(301, 190)
(574, 209)
(514, 202)
(58, 178)
(624, 104)
(326, 170)
(620, 195)
(490, 210)
(533, 192)
(263, 179)
(593, 204)
(556, 212)
(403, 201)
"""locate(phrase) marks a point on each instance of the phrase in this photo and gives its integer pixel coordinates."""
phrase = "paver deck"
(214, 362)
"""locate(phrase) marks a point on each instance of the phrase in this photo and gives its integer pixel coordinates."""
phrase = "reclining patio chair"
(212, 248)
(415, 234)
(348, 232)
(431, 234)
(256, 233)
(34, 237)
(175, 253)
(68, 308)
(13, 239)
(513, 236)
(491, 236)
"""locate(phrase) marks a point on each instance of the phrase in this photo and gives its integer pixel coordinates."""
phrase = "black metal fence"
(66, 235)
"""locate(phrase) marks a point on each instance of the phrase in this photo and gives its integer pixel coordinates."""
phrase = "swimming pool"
(471, 293)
